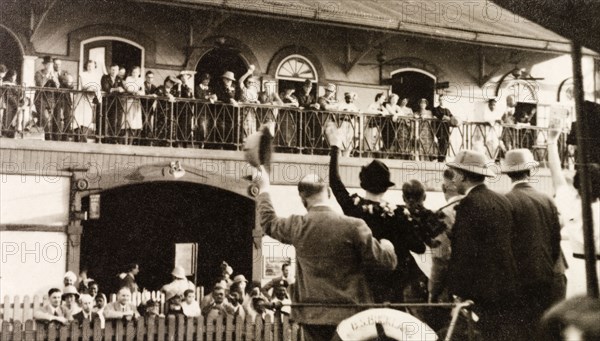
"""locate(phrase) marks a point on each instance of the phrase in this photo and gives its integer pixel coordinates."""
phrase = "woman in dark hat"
(385, 220)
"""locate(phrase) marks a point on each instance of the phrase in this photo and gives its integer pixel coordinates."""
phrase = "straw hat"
(258, 147)
(70, 290)
(239, 279)
(472, 162)
(228, 75)
(178, 272)
(518, 160)
(330, 87)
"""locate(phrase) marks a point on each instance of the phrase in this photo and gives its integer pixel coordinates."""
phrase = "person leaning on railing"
(52, 311)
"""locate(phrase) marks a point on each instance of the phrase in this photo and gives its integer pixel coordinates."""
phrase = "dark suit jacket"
(482, 266)
(79, 317)
(535, 236)
(107, 83)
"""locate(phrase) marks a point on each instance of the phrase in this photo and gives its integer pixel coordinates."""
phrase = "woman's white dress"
(133, 109)
(85, 108)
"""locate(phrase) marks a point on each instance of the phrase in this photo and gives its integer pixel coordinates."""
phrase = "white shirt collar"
(470, 189)
(519, 182)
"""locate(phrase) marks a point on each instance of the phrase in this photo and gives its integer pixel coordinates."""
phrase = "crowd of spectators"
(80, 298)
(128, 118)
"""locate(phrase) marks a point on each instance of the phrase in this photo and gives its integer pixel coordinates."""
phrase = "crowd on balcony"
(80, 298)
(130, 108)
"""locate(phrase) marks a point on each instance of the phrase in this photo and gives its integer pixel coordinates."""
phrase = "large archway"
(414, 84)
(11, 53)
(108, 50)
(142, 222)
(218, 60)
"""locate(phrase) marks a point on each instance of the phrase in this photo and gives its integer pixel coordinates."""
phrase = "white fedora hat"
(472, 162)
(518, 160)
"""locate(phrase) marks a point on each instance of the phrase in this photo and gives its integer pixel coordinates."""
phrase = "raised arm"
(558, 178)
(245, 76)
(374, 254)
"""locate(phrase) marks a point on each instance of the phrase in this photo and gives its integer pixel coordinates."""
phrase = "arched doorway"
(142, 222)
(11, 54)
(218, 60)
(414, 84)
(106, 51)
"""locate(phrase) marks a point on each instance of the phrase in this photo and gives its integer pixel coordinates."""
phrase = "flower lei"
(383, 208)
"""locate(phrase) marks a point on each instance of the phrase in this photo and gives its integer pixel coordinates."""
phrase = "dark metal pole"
(583, 135)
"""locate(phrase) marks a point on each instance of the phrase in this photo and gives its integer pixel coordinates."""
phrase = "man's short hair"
(114, 65)
(378, 96)
(284, 265)
(448, 174)
(124, 288)
(522, 175)
(413, 190)
(310, 185)
(149, 72)
(187, 292)
(53, 291)
(131, 267)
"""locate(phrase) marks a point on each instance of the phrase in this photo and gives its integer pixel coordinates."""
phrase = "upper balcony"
(79, 116)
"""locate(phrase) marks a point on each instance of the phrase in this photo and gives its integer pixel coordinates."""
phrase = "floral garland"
(383, 208)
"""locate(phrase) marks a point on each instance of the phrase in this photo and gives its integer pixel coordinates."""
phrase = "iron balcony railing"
(85, 116)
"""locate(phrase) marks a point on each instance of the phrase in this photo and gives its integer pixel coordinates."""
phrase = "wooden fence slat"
(5, 334)
(239, 328)
(28, 308)
(268, 330)
(249, 329)
(258, 328)
(109, 330)
(41, 331)
(29, 330)
(86, 330)
(200, 328)
(171, 327)
(210, 329)
(119, 329)
(285, 326)
(37, 303)
(8, 311)
(220, 328)
(17, 309)
(161, 329)
(98, 331)
(276, 330)
(141, 329)
(180, 327)
(129, 330)
(64, 332)
(189, 329)
(151, 328)
(229, 328)
(75, 330)
(52, 331)
(17, 331)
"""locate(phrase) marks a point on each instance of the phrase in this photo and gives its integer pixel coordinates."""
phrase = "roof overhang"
(471, 22)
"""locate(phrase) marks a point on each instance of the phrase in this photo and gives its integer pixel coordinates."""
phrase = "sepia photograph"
(299, 170)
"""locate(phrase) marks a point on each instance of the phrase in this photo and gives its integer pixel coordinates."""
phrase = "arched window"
(293, 71)
(296, 68)
(523, 90)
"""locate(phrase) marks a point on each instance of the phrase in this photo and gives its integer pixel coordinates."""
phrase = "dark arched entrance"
(109, 52)
(414, 86)
(10, 52)
(218, 60)
(142, 222)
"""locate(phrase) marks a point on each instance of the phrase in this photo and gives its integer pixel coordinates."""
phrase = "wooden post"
(151, 328)
(97, 333)
(219, 329)
(249, 329)
(129, 330)
(258, 328)
(268, 328)
(141, 330)
(41, 331)
(161, 329)
(75, 330)
(8, 311)
(17, 310)
(17, 331)
(239, 328)
(86, 330)
(28, 308)
(585, 188)
(210, 329)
